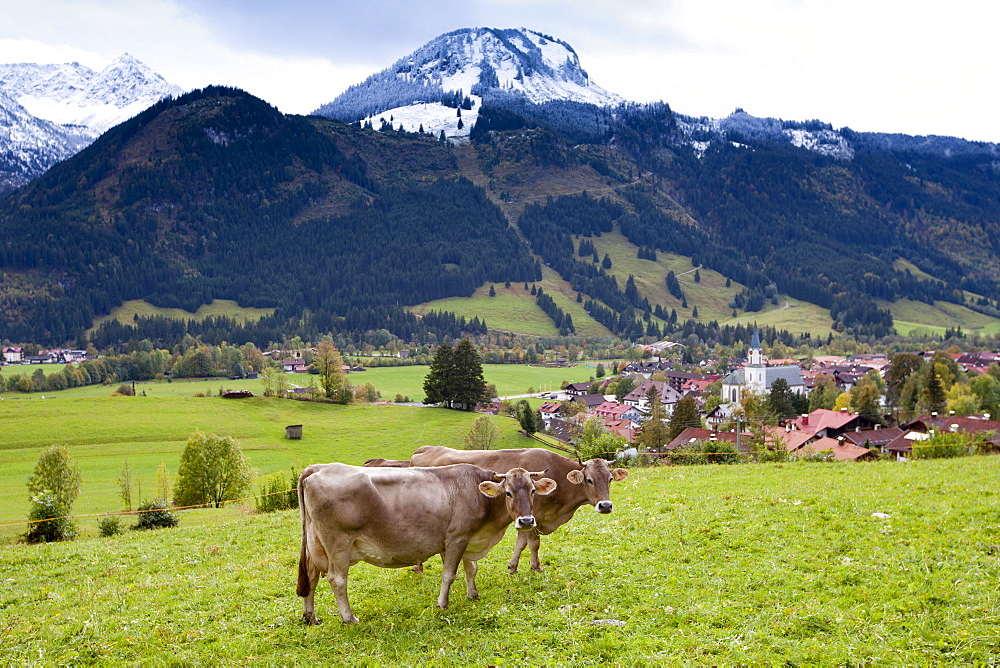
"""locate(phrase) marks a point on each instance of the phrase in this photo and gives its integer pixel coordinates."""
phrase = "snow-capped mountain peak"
(49, 112)
(72, 94)
(478, 62)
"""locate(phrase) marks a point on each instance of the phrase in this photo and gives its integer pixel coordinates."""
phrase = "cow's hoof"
(351, 620)
(537, 569)
(419, 568)
(512, 569)
(310, 620)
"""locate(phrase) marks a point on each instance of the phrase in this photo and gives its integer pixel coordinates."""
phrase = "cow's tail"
(303, 587)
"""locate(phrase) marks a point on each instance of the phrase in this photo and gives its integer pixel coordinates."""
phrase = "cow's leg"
(522, 542)
(471, 568)
(450, 559)
(534, 541)
(339, 566)
(308, 601)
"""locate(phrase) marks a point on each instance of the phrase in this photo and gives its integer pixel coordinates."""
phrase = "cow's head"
(518, 488)
(596, 477)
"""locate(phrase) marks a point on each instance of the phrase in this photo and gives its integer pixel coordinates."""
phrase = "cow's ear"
(619, 474)
(490, 489)
(545, 486)
(575, 476)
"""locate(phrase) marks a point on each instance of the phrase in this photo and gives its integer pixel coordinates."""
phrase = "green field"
(514, 309)
(915, 318)
(102, 433)
(390, 381)
(218, 307)
(743, 565)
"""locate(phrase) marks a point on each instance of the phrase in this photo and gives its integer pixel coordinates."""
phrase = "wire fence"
(126, 513)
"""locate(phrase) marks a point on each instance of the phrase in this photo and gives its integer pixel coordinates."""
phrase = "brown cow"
(397, 517)
(588, 483)
(378, 461)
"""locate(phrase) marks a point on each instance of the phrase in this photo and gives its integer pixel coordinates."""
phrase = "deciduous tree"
(213, 469)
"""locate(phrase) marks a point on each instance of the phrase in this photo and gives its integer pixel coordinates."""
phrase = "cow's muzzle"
(525, 522)
(605, 507)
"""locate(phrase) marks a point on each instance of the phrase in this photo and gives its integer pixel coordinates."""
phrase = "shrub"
(109, 526)
(125, 390)
(273, 494)
(48, 519)
(293, 491)
(155, 515)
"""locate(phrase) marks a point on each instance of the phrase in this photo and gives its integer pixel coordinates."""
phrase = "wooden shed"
(293, 431)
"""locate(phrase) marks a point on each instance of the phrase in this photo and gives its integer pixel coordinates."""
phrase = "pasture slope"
(709, 565)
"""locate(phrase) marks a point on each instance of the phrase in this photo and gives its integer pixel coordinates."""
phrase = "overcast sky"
(874, 65)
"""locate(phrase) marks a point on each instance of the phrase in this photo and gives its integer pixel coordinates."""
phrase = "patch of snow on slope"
(433, 116)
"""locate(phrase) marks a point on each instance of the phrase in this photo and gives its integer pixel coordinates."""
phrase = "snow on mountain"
(812, 135)
(429, 117)
(72, 94)
(30, 145)
(49, 112)
(478, 62)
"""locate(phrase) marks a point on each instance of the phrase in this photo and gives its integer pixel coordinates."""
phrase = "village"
(724, 416)
(820, 433)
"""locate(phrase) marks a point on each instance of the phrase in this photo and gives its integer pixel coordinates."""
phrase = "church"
(757, 377)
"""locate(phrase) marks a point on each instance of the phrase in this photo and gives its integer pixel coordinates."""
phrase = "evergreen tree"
(606, 262)
(934, 393)
(685, 415)
(697, 276)
(470, 386)
(493, 292)
(779, 399)
(654, 434)
(438, 382)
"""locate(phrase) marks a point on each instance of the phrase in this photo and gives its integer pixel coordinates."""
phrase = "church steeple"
(755, 356)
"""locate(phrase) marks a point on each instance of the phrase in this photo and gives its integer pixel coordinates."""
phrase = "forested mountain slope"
(337, 227)
(218, 195)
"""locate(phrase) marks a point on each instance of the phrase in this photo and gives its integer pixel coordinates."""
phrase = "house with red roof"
(823, 422)
(837, 448)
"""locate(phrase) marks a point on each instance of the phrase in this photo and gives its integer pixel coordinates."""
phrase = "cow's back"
(550, 511)
(394, 517)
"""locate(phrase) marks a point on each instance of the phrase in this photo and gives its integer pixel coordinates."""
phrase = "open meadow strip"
(758, 563)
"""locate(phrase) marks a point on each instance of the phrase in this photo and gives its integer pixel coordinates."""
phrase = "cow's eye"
(610, 479)
(510, 495)
(532, 492)
(590, 481)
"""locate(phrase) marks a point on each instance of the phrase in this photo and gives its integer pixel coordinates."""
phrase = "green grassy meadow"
(710, 565)
(914, 317)
(103, 431)
(390, 381)
(218, 307)
(514, 309)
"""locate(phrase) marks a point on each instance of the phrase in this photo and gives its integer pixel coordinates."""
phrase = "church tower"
(755, 368)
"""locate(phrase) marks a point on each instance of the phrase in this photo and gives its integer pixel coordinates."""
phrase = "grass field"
(514, 309)
(102, 433)
(914, 317)
(712, 565)
(390, 381)
(218, 307)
